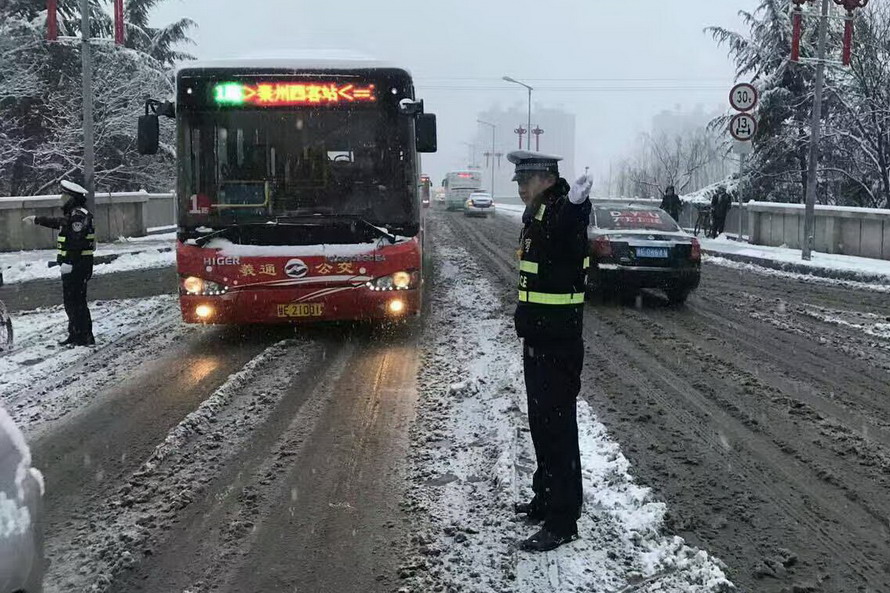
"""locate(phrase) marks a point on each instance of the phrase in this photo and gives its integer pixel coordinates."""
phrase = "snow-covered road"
(758, 413)
(740, 438)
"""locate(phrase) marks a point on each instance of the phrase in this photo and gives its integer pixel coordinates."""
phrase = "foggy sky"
(455, 47)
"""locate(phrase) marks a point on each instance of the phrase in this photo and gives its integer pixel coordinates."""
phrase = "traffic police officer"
(553, 255)
(76, 243)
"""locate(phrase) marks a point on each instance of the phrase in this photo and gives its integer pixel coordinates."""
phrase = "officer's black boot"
(69, 341)
(546, 540)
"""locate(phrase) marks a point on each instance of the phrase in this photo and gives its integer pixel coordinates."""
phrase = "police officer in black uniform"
(553, 255)
(76, 243)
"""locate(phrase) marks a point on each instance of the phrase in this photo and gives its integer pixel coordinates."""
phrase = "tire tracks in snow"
(735, 485)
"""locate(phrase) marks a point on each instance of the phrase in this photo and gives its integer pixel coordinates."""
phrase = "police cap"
(528, 162)
(69, 187)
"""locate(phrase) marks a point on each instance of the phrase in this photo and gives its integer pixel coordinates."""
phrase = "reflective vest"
(553, 263)
(77, 237)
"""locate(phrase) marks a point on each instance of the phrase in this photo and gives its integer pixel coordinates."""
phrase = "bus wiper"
(202, 241)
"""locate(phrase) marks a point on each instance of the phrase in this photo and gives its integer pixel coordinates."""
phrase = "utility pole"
(815, 137)
(493, 134)
(89, 157)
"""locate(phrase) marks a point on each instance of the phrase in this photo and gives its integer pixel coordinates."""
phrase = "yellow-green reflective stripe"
(61, 238)
(540, 214)
(87, 252)
(528, 266)
(543, 298)
(586, 262)
(63, 253)
(91, 237)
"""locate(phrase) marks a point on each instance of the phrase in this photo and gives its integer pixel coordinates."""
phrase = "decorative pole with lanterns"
(818, 91)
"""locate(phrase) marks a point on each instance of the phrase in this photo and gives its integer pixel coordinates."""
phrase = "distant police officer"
(76, 243)
(553, 255)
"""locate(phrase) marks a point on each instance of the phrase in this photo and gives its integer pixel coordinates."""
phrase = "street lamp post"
(493, 132)
(530, 89)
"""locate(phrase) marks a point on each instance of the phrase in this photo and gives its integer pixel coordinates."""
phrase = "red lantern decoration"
(797, 29)
(119, 22)
(52, 20)
(850, 5)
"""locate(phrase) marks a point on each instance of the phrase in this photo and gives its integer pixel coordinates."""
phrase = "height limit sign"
(743, 126)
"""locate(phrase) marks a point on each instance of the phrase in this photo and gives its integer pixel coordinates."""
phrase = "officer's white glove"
(29, 219)
(581, 189)
(66, 268)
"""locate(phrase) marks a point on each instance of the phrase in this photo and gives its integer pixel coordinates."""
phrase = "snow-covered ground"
(473, 459)
(153, 251)
(41, 381)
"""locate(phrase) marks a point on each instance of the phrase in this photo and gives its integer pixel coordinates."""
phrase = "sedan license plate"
(652, 252)
(300, 310)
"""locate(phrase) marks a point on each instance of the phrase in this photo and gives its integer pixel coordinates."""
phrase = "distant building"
(558, 138)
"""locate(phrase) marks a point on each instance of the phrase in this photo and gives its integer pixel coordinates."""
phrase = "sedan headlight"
(192, 285)
(402, 280)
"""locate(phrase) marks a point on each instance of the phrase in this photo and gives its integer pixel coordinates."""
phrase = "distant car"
(635, 247)
(21, 514)
(479, 204)
(439, 197)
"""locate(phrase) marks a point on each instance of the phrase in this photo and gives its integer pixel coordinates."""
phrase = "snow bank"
(131, 253)
(473, 458)
(808, 277)
(840, 267)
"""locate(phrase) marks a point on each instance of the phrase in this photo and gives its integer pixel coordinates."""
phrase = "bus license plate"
(299, 310)
(653, 252)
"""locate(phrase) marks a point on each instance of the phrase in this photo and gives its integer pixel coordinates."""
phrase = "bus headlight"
(402, 280)
(192, 285)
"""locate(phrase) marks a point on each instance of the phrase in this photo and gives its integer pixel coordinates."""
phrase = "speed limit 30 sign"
(743, 97)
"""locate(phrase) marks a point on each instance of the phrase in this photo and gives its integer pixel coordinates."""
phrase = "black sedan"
(634, 247)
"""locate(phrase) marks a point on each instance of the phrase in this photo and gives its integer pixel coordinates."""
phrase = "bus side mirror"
(425, 129)
(148, 136)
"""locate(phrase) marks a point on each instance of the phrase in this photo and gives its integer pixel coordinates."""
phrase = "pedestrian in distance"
(76, 244)
(721, 203)
(671, 203)
(554, 258)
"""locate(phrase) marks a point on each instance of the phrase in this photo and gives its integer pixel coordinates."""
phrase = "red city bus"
(298, 198)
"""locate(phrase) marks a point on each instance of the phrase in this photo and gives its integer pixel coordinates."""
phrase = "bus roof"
(296, 62)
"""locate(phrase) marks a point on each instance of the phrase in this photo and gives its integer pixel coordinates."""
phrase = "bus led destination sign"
(293, 94)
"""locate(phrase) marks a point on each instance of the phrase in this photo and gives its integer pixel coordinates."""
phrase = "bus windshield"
(254, 166)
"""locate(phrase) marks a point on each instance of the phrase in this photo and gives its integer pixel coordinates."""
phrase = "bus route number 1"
(200, 204)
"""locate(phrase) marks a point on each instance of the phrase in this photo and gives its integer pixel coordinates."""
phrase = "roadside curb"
(818, 272)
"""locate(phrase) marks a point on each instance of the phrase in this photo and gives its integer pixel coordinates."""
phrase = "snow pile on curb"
(112, 538)
(472, 459)
(802, 277)
(825, 265)
(25, 266)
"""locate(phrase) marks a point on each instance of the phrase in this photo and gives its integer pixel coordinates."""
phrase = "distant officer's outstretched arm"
(52, 222)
